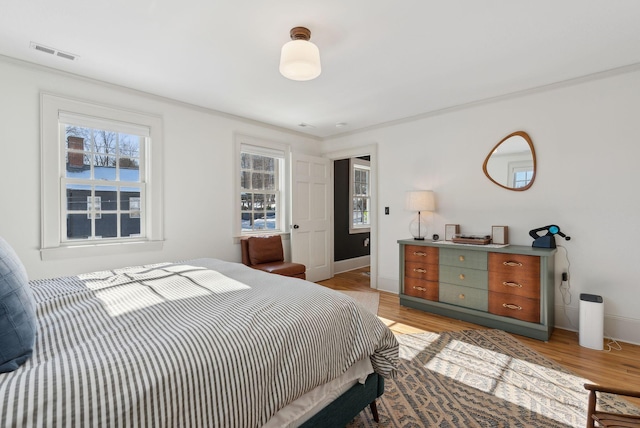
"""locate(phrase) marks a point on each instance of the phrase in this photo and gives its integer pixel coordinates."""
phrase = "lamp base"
(418, 227)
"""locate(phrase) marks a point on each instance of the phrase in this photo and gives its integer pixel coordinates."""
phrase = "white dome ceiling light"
(300, 59)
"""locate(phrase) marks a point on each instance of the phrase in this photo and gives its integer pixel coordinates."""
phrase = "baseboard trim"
(615, 327)
(391, 285)
(351, 264)
(622, 329)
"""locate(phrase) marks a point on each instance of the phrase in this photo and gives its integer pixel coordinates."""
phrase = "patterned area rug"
(480, 378)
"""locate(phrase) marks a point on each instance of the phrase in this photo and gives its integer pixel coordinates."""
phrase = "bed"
(198, 343)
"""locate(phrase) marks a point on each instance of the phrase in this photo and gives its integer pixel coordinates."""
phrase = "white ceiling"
(382, 60)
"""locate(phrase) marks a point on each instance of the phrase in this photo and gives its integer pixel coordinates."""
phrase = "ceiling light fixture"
(300, 59)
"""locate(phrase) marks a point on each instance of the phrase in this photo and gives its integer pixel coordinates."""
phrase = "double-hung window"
(104, 171)
(360, 195)
(102, 181)
(261, 188)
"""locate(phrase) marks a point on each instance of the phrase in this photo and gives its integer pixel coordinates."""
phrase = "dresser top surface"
(508, 249)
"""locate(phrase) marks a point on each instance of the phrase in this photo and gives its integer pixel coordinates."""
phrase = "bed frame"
(343, 409)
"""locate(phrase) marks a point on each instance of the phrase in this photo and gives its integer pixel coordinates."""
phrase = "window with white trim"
(261, 188)
(360, 195)
(97, 182)
(104, 169)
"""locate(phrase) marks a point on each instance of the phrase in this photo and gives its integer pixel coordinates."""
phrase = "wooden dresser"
(510, 288)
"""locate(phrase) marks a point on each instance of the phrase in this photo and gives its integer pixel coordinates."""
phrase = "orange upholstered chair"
(266, 253)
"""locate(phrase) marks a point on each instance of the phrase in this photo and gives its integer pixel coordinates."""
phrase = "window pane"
(107, 226)
(259, 221)
(129, 169)
(269, 164)
(105, 142)
(77, 197)
(257, 181)
(129, 145)
(78, 166)
(245, 161)
(78, 226)
(108, 196)
(129, 226)
(245, 221)
(269, 181)
(258, 201)
(130, 199)
(270, 201)
(270, 219)
(245, 202)
(258, 162)
(75, 133)
(104, 167)
(245, 180)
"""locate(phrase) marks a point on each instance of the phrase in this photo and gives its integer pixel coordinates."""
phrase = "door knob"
(295, 226)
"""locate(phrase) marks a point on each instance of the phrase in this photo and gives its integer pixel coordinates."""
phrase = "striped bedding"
(203, 343)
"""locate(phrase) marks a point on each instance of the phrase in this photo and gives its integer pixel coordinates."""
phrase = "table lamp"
(420, 201)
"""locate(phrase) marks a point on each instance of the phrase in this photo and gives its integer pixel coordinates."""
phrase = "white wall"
(586, 142)
(587, 146)
(198, 169)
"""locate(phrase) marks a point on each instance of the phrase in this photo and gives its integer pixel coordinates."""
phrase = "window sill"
(360, 230)
(285, 235)
(96, 250)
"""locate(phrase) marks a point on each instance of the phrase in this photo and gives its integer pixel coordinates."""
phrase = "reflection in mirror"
(512, 162)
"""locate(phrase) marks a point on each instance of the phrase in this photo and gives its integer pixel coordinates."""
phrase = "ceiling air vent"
(53, 51)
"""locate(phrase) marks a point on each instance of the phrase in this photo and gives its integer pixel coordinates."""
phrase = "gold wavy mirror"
(511, 164)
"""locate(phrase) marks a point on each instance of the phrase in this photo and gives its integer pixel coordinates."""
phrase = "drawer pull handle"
(461, 258)
(419, 253)
(512, 284)
(419, 288)
(461, 276)
(461, 296)
(512, 306)
(512, 264)
(420, 270)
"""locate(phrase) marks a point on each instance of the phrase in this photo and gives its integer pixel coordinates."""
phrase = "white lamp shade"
(421, 200)
(300, 60)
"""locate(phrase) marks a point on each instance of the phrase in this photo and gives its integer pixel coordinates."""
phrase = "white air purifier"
(591, 321)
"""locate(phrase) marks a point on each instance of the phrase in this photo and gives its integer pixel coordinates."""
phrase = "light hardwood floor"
(615, 368)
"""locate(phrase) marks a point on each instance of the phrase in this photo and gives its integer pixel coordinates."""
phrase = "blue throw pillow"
(17, 311)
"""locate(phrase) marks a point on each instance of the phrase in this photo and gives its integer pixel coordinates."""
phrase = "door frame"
(371, 150)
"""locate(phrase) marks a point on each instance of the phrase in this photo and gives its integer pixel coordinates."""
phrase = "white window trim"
(283, 204)
(52, 246)
(355, 228)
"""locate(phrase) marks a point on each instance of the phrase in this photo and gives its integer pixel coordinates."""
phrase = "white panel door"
(311, 215)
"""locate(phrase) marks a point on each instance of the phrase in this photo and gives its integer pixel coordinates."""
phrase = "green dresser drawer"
(462, 257)
(467, 297)
(467, 277)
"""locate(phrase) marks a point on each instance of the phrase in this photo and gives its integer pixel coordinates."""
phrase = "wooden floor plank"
(619, 368)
